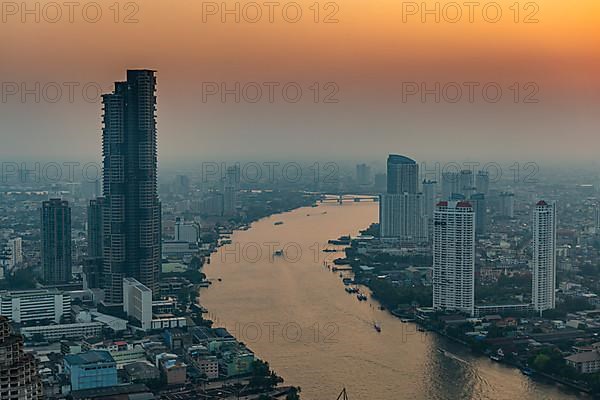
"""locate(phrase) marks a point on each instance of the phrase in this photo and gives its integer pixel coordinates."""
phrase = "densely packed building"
(18, 371)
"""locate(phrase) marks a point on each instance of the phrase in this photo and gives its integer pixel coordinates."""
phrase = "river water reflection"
(294, 313)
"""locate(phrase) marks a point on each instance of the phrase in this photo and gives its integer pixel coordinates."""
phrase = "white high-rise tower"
(544, 256)
(454, 257)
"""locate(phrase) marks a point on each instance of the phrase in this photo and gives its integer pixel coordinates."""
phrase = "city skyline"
(300, 200)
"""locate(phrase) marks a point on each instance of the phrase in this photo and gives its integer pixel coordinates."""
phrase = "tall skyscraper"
(480, 208)
(429, 196)
(544, 256)
(95, 243)
(181, 184)
(450, 184)
(90, 189)
(231, 187)
(56, 241)
(132, 225)
(466, 183)
(507, 203)
(429, 189)
(18, 370)
(401, 212)
(401, 217)
(363, 175)
(454, 257)
(482, 182)
(402, 175)
(597, 217)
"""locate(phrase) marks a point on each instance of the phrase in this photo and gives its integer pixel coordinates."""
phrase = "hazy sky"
(374, 61)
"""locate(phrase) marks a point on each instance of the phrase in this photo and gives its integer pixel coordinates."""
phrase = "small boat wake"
(452, 356)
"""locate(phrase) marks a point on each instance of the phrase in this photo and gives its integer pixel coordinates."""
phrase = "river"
(294, 313)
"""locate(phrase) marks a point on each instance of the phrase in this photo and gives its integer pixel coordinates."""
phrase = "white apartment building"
(15, 247)
(454, 257)
(137, 302)
(544, 256)
(35, 305)
(186, 231)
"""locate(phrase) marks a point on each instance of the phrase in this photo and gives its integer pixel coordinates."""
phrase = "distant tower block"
(544, 256)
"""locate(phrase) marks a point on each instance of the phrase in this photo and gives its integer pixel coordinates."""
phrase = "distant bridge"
(347, 198)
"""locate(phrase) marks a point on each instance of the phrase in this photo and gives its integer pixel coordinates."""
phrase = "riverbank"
(491, 336)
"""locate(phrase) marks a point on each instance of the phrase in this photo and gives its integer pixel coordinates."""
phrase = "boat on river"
(527, 371)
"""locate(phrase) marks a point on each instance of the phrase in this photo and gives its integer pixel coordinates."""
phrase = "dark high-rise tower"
(94, 228)
(466, 183)
(450, 184)
(95, 243)
(482, 182)
(56, 241)
(401, 208)
(480, 208)
(132, 209)
(231, 187)
(402, 175)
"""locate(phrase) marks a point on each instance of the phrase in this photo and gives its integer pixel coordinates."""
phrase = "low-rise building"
(121, 351)
(90, 370)
(70, 347)
(132, 391)
(585, 363)
(111, 322)
(140, 372)
(35, 305)
(63, 331)
(173, 369)
(179, 249)
(203, 361)
(166, 321)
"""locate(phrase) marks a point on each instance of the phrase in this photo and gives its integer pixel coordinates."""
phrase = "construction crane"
(343, 395)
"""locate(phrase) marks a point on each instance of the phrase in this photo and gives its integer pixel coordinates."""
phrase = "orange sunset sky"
(370, 54)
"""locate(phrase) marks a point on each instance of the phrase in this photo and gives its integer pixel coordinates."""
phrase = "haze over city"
(299, 200)
(369, 51)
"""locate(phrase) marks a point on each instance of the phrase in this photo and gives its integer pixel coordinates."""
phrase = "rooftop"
(89, 357)
(398, 159)
(584, 357)
(113, 391)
